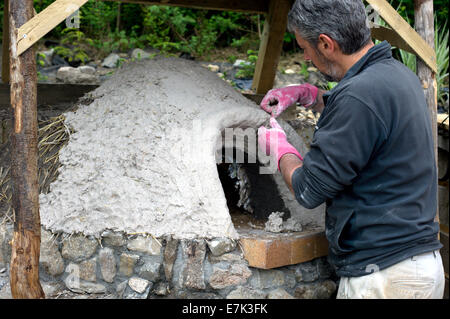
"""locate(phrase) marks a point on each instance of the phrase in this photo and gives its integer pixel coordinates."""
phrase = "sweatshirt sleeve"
(343, 144)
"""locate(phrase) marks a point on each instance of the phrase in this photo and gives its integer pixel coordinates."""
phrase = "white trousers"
(418, 277)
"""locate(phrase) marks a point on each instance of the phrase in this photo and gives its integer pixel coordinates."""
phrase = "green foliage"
(196, 32)
(74, 46)
(441, 45)
(331, 85)
(304, 70)
(248, 69)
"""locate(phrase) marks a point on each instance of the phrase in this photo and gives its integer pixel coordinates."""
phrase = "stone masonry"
(142, 267)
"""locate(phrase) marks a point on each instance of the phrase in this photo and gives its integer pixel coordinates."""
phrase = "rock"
(279, 293)
(127, 263)
(6, 233)
(146, 245)
(316, 290)
(228, 257)
(307, 272)
(289, 71)
(162, 289)
(50, 258)
(324, 268)
(111, 61)
(130, 293)
(150, 270)
(220, 246)
(88, 269)
(5, 291)
(84, 287)
(87, 69)
(240, 63)
(263, 279)
(79, 247)
(246, 293)
(120, 289)
(312, 69)
(235, 274)
(140, 54)
(68, 74)
(46, 57)
(170, 254)
(58, 60)
(138, 284)
(50, 289)
(107, 263)
(213, 68)
(326, 289)
(3, 260)
(113, 239)
(193, 253)
(289, 279)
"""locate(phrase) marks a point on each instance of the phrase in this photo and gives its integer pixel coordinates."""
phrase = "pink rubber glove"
(274, 142)
(278, 100)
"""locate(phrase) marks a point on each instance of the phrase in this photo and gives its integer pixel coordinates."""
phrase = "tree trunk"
(5, 47)
(424, 25)
(24, 271)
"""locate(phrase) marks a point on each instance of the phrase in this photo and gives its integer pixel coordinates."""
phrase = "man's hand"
(274, 143)
(278, 100)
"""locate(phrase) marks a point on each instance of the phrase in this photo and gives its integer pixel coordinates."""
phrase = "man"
(371, 158)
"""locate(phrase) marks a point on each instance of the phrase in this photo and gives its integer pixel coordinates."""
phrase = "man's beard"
(331, 74)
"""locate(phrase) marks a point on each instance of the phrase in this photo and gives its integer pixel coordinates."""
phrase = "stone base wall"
(139, 266)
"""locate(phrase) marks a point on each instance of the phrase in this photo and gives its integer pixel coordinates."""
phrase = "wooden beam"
(382, 33)
(420, 47)
(250, 6)
(45, 21)
(24, 269)
(267, 251)
(424, 24)
(5, 43)
(271, 45)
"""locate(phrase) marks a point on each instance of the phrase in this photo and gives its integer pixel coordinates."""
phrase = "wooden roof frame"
(19, 66)
(400, 34)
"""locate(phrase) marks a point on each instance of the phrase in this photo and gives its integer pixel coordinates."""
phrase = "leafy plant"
(74, 46)
(248, 69)
(304, 70)
(441, 46)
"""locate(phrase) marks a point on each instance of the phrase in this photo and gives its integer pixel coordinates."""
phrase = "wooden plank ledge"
(271, 250)
(406, 32)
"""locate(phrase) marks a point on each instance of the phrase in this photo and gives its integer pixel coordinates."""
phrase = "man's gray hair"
(345, 21)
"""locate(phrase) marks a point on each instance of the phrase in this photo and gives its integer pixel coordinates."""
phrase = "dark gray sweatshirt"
(372, 161)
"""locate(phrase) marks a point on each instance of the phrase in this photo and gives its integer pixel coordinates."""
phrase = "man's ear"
(327, 46)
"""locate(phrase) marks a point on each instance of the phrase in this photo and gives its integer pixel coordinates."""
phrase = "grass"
(53, 135)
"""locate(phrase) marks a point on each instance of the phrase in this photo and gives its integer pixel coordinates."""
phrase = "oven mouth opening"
(251, 197)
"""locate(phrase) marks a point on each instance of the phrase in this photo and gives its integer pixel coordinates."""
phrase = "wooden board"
(50, 94)
(443, 120)
(382, 33)
(250, 6)
(45, 21)
(406, 32)
(271, 250)
(271, 46)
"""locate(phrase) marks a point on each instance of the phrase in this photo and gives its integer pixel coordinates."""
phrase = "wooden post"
(271, 45)
(424, 25)
(24, 270)
(5, 43)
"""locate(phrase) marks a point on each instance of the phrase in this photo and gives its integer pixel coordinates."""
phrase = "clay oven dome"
(143, 158)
